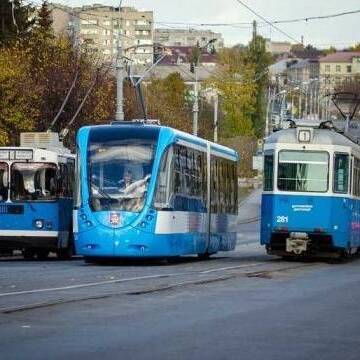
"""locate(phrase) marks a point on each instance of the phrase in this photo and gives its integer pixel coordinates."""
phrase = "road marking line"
(230, 268)
(70, 287)
(116, 281)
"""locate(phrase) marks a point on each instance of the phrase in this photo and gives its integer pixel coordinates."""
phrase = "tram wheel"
(28, 254)
(204, 256)
(66, 253)
(42, 254)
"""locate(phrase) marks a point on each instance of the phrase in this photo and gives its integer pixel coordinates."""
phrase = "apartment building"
(339, 67)
(97, 26)
(302, 71)
(277, 47)
(188, 37)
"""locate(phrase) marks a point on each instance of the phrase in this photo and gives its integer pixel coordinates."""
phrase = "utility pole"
(254, 30)
(119, 116)
(306, 101)
(216, 106)
(268, 113)
(300, 104)
(196, 103)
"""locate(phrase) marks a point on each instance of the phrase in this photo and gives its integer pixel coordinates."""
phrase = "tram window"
(165, 181)
(4, 181)
(303, 171)
(341, 173)
(184, 189)
(268, 172)
(65, 180)
(33, 181)
(223, 186)
(356, 178)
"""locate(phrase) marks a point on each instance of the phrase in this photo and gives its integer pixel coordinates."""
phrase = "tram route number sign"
(114, 218)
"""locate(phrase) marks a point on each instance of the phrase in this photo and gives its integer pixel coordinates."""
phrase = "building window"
(338, 68)
(88, 31)
(140, 22)
(89, 22)
(349, 68)
(327, 68)
(107, 22)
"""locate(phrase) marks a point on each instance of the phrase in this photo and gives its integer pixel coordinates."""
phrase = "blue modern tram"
(146, 190)
(36, 183)
(311, 195)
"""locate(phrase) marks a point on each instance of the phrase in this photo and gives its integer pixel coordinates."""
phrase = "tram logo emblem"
(114, 218)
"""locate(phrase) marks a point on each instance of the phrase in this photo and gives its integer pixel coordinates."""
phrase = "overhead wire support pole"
(119, 116)
(216, 107)
(196, 104)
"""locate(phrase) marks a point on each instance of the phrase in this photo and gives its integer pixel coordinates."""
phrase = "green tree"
(44, 19)
(235, 84)
(330, 50)
(15, 20)
(355, 47)
(35, 76)
(167, 101)
(260, 59)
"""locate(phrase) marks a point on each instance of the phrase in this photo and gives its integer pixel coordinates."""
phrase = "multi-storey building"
(98, 26)
(302, 71)
(339, 67)
(190, 37)
(277, 47)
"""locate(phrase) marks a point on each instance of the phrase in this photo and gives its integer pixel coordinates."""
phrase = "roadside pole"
(196, 104)
(216, 107)
(119, 116)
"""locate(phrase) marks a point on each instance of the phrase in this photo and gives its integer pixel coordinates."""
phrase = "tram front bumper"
(16, 240)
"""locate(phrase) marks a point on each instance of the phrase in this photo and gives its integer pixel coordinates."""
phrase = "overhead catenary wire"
(65, 101)
(267, 21)
(286, 21)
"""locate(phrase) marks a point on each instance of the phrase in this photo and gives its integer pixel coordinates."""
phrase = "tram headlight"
(39, 224)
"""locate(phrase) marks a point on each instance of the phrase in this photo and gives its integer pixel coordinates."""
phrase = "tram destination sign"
(16, 154)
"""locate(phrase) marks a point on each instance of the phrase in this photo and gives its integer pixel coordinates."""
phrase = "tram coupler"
(297, 243)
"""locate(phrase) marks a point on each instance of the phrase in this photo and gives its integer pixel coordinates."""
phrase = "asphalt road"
(238, 305)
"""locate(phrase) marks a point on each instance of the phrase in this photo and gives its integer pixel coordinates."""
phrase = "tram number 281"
(282, 219)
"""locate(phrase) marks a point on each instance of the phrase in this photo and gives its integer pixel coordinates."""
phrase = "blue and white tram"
(36, 196)
(311, 197)
(152, 191)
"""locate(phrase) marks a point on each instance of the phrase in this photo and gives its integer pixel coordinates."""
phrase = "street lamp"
(193, 68)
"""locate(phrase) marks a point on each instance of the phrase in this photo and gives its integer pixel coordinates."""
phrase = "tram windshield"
(4, 181)
(120, 171)
(303, 171)
(33, 181)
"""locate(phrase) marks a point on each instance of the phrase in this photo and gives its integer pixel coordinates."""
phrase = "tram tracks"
(197, 278)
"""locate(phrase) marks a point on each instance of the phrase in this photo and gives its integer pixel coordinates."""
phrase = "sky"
(339, 32)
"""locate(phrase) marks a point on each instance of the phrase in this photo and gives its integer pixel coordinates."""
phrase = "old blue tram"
(311, 194)
(151, 191)
(36, 183)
